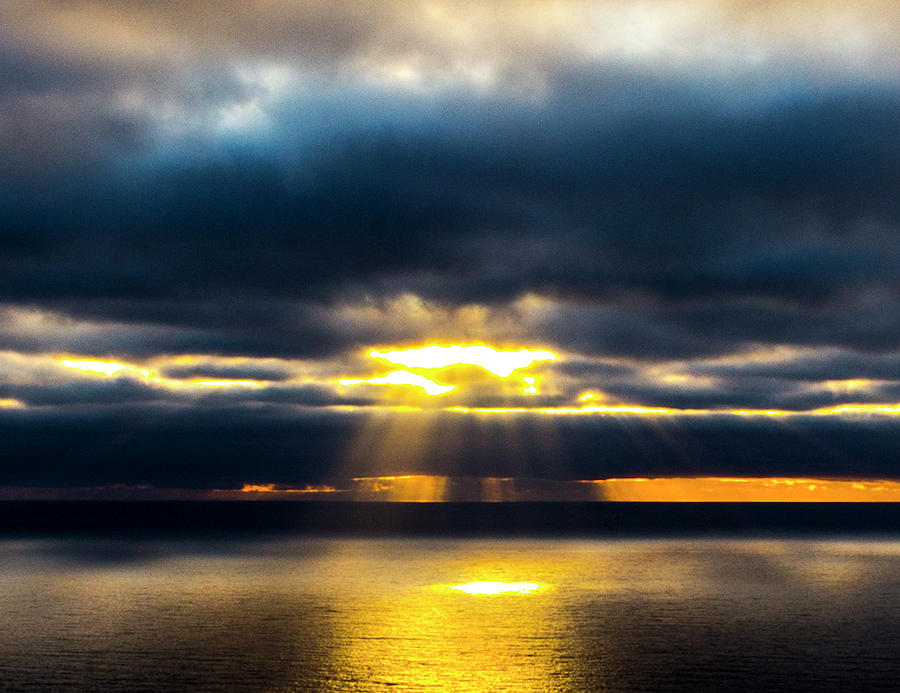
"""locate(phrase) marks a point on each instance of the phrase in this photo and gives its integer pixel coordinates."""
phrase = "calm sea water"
(377, 614)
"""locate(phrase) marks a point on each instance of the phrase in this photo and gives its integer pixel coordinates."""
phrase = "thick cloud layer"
(775, 223)
(226, 449)
(694, 204)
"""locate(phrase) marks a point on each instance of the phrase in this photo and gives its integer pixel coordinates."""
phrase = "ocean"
(350, 613)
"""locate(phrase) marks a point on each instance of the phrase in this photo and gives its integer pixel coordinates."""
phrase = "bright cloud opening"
(101, 367)
(500, 363)
(402, 378)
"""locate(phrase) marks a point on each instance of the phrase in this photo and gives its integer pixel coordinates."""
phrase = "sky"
(665, 235)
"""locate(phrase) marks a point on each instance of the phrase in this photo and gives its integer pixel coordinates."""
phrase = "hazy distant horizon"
(418, 488)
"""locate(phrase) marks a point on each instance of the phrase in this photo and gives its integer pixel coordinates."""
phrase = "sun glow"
(272, 490)
(500, 363)
(402, 378)
(492, 588)
(748, 490)
(99, 367)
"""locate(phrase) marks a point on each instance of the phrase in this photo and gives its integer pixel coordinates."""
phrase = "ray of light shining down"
(500, 363)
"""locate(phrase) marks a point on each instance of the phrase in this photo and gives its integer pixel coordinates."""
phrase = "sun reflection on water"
(354, 614)
(430, 632)
(488, 587)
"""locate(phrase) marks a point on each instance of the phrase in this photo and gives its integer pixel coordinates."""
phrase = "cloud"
(805, 364)
(660, 193)
(211, 370)
(457, 38)
(222, 448)
(663, 200)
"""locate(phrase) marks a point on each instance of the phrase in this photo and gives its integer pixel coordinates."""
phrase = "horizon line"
(424, 488)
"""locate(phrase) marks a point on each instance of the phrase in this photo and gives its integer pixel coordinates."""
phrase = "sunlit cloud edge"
(429, 489)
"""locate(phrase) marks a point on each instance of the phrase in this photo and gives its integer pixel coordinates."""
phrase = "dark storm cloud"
(225, 325)
(796, 382)
(300, 395)
(584, 370)
(227, 448)
(820, 365)
(768, 217)
(645, 326)
(115, 391)
(225, 372)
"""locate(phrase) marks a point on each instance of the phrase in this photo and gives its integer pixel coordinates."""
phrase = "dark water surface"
(378, 614)
(355, 614)
(448, 519)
